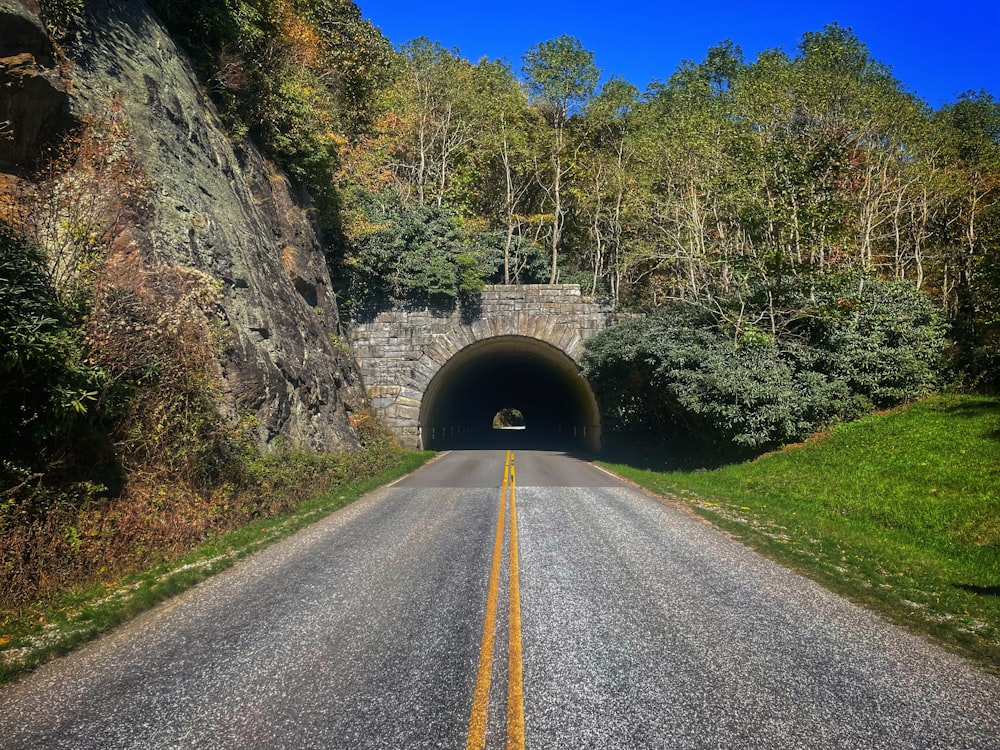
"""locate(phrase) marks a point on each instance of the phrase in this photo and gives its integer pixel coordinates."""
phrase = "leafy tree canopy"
(418, 254)
(561, 74)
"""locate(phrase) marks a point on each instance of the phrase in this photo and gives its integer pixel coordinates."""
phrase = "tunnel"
(520, 373)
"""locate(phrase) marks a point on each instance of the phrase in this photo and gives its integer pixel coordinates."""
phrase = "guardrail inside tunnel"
(571, 438)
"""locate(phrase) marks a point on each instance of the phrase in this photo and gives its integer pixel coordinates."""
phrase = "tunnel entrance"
(515, 373)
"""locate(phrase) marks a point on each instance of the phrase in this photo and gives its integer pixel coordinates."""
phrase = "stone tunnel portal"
(519, 372)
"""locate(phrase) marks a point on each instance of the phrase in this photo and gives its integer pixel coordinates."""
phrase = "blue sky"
(937, 49)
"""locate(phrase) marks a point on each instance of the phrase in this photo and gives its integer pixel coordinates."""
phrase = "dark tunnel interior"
(542, 382)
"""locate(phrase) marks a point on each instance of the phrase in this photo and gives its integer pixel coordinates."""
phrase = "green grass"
(897, 511)
(36, 634)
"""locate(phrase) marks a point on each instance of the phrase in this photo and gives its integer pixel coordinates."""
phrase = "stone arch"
(540, 380)
(401, 351)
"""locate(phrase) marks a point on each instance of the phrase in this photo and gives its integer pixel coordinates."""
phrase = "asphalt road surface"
(639, 626)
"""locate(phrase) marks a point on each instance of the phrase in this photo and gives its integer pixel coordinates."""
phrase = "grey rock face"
(225, 212)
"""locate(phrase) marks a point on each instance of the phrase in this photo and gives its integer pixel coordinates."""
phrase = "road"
(640, 627)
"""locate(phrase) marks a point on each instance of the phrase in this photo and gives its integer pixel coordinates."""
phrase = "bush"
(60, 16)
(841, 349)
(883, 339)
(149, 332)
(47, 385)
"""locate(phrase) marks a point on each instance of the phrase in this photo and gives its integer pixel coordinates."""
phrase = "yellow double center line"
(479, 719)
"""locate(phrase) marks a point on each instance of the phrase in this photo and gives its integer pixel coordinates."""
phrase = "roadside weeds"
(37, 634)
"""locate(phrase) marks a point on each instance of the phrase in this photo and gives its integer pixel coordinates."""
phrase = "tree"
(969, 131)
(358, 62)
(436, 118)
(605, 178)
(686, 144)
(502, 161)
(560, 76)
(410, 254)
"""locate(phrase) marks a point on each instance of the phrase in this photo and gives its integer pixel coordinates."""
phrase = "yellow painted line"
(476, 738)
(515, 686)
(479, 718)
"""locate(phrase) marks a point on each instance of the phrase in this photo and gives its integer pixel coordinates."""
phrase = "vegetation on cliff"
(298, 77)
(113, 452)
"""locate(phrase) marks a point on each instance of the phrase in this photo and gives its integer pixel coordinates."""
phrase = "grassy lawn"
(46, 629)
(898, 511)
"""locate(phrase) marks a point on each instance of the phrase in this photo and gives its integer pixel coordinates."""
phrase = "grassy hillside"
(899, 511)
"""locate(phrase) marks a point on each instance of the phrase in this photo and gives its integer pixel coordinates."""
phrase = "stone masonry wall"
(401, 351)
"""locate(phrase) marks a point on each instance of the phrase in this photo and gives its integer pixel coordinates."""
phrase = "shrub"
(148, 331)
(48, 386)
(841, 349)
(60, 16)
(884, 339)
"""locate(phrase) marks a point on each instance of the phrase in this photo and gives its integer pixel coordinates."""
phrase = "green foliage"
(417, 254)
(60, 15)
(677, 371)
(883, 339)
(561, 74)
(839, 352)
(47, 386)
(294, 123)
(508, 417)
(969, 133)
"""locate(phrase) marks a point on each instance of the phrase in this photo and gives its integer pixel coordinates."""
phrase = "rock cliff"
(34, 96)
(214, 207)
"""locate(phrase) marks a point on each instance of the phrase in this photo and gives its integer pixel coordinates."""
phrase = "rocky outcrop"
(33, 102)
(226, 213)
